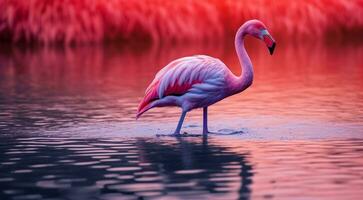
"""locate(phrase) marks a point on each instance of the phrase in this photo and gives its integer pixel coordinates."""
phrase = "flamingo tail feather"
(143, 110)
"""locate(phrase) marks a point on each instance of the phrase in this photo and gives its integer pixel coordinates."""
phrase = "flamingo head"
(258, 30)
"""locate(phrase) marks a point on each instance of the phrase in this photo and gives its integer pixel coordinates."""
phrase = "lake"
(68, 128)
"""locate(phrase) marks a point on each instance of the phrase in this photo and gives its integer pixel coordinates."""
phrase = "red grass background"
(85, 21)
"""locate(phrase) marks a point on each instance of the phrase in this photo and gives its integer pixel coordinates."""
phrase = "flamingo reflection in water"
(200, 81)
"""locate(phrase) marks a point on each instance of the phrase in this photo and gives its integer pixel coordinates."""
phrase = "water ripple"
(180, 167)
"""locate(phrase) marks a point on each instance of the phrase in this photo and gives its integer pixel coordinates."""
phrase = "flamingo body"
(200, 81)
(189, 82)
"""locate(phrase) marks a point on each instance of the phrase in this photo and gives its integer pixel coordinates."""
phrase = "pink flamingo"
(200, 81)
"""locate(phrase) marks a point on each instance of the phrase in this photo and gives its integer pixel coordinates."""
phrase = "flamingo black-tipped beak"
(272, 48)
(269, 41)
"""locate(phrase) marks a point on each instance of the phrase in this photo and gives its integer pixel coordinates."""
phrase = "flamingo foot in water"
(185, 134)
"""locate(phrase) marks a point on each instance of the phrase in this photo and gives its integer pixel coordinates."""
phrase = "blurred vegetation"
(163, 21)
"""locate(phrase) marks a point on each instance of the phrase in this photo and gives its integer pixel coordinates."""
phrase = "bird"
(200, 81)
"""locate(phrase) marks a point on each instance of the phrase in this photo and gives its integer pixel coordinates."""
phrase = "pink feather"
(179, 77)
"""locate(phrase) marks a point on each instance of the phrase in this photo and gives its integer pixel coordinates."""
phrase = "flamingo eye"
(263, 32)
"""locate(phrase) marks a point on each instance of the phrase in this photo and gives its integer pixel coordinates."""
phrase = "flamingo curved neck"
(243, 81)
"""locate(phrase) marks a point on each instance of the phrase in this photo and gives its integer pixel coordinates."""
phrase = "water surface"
(314, 86)
(179, 168)
(68, 128)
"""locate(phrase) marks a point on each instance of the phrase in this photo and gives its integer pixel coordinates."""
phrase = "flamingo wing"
(182, 75)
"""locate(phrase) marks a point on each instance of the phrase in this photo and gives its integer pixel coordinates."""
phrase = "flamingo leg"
(205, 120)
(181, 120)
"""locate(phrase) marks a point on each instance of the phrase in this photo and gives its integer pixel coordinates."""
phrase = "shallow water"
(68, 128)
(316, 87)
(179, 168)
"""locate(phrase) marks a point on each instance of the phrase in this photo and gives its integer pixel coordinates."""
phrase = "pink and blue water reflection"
(68, 129)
